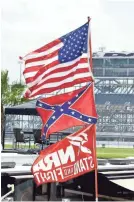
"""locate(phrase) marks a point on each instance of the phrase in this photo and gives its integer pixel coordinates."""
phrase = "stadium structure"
(114, 94)
(114, 89)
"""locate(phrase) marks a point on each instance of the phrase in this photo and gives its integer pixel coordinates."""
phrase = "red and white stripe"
(44, 74)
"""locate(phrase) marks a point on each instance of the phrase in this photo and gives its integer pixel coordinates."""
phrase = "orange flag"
(69, 158)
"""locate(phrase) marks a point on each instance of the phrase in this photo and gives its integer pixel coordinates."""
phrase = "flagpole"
(94, 142)
(90, 45)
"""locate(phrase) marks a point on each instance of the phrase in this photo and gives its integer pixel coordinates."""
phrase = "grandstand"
(114, 89)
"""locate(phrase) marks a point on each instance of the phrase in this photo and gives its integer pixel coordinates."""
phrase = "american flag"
(60, 64)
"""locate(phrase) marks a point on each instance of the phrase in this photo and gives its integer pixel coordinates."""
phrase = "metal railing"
(11, 186)
(113, 72)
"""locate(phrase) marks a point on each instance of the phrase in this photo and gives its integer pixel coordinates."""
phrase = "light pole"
(20, 63)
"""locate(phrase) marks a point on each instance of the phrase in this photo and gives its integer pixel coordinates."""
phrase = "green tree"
(10, 95)
(4, 86)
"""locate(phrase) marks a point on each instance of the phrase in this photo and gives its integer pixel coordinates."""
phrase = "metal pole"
(53, 192)
(3, 137)
(20, 63)
(91, 68)
(20, 72)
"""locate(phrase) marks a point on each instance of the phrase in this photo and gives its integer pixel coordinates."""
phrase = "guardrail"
(113, 72)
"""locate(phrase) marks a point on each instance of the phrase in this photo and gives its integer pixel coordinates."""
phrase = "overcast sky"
(30, 24)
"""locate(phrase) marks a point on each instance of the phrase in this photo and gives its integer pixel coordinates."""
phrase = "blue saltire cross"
(64, 109)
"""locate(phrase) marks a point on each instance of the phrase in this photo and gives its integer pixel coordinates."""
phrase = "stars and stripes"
(66, 109)
(60, 64)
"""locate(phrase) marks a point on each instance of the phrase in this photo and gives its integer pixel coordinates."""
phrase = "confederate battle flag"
(65, 111)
